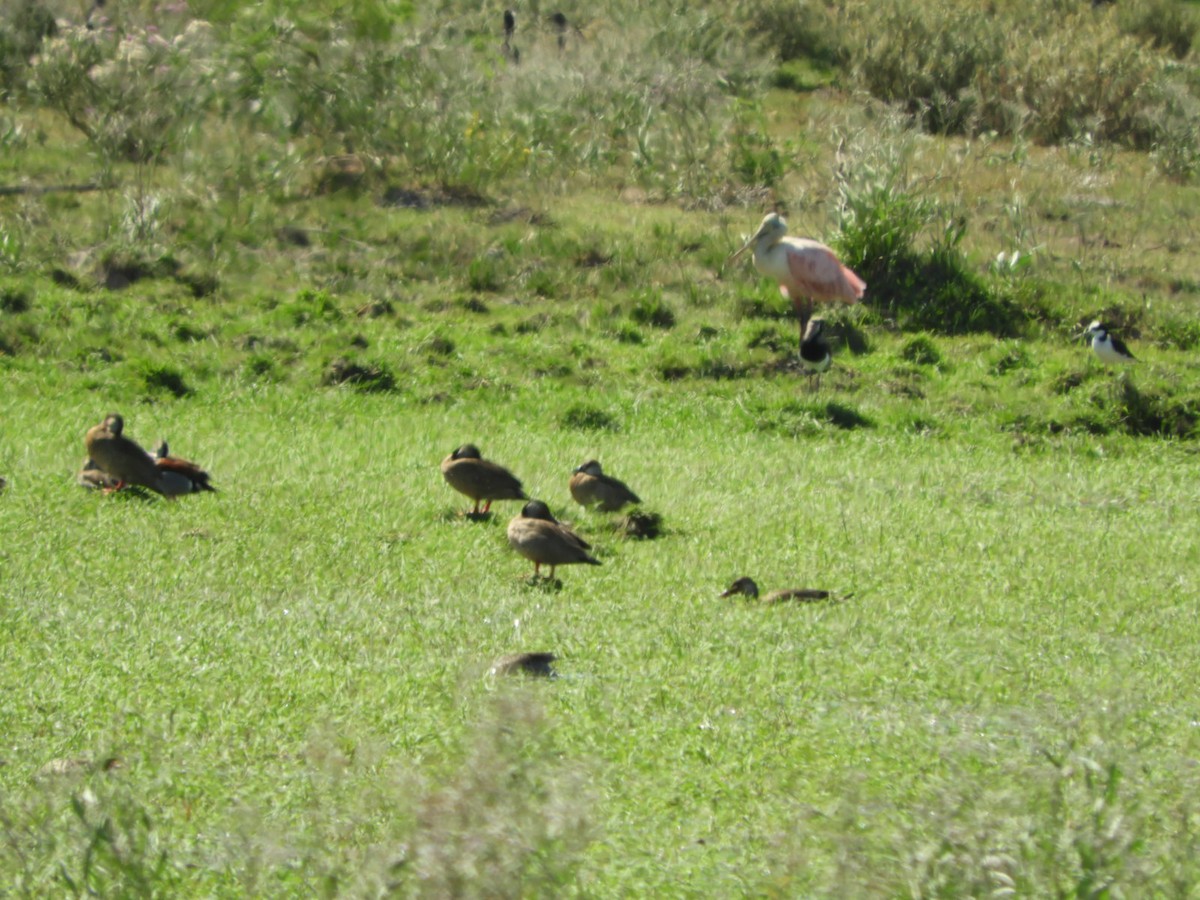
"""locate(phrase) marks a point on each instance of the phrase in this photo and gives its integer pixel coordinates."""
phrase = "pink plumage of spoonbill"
(806, 270)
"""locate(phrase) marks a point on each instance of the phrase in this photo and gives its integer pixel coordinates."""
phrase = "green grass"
(282, 689)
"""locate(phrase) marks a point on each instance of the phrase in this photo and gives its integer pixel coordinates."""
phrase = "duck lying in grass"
(180, 476)
(542, 539)
(747, 587)
(469, 473)
(592, 488)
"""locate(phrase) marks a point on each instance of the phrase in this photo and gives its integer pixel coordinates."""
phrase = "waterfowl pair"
(115, 461)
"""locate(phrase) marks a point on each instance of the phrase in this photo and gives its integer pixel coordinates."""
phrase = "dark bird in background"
(561, 26)
(815, 357)
(543, 540)
(510, 28)
(747, 587)
(469, 473)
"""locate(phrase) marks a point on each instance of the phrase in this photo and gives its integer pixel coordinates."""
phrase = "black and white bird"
(815, 357)
(1108, 347)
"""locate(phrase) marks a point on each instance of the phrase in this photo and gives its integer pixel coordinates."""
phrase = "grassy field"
(283, 689)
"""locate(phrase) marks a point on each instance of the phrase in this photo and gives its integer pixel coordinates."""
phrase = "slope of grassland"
(322, 273)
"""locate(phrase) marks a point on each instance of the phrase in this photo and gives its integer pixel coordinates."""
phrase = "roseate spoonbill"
(591, 487)
(480, 479)
(1107, 346)
(542, 539)
(806, 270)
(815, 357)
(747, 587)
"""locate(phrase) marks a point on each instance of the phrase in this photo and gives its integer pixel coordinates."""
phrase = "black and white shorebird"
(815, 357)
(510, 28)
(1107, 346)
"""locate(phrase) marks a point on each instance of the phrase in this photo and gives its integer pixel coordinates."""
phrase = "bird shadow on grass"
(458, 515)
(542, 583)
(130, 494)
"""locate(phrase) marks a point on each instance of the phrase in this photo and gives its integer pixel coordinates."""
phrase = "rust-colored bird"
(801, 595)
(806, 270)
(591, 487)
(180, 476)
(469, 473)
(543, 540)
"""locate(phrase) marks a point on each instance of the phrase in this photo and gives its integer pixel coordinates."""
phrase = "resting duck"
(800, 595)
(121, 458)
(543, 540)
(469, 473)
(92, 477)
(180, 476)
(591, 487)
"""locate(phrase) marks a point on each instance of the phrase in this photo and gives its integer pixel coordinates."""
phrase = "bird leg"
(486, 507)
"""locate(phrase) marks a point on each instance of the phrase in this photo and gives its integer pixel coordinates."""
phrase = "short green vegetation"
(319, 246)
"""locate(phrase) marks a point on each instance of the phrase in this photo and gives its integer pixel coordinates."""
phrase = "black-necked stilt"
(815, 357)
(1108, 347)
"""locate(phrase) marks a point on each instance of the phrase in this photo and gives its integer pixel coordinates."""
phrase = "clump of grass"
(15, 298)
(511, 821)
(651, 309)
(370, 378)
(921, 350)
(906, 247)
(158, 378)
(582, 417)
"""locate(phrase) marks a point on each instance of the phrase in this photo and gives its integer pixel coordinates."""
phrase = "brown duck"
(799, 595)
(543, 540)
(121, 458)
(591, 487)
(469, 473)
